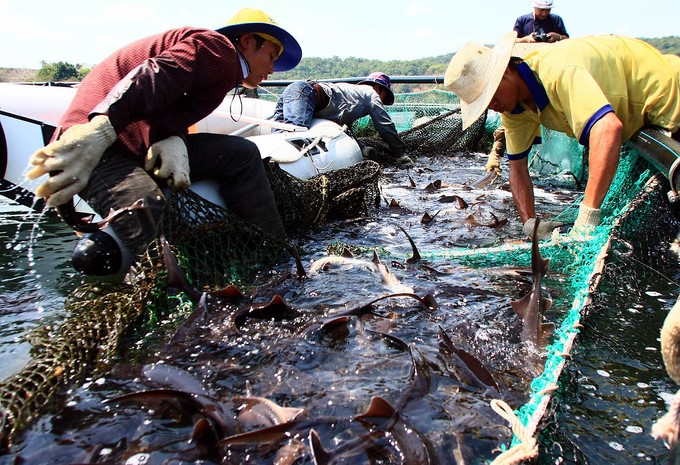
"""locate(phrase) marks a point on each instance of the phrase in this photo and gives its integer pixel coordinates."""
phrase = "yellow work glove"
(545, 228)
(71, 159)
(493, 163)
(498, 149)
(173, 159)
(586, 221)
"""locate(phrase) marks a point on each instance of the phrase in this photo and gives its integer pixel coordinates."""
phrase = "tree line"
(335, 67)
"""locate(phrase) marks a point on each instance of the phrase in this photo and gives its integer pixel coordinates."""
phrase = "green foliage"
(59, 72)
(336, 67)
(668, 44)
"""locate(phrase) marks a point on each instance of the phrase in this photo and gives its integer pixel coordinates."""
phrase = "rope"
(526, 449)
(667, 427)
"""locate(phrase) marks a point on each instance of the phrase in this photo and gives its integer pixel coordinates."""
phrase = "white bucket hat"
(475, 72)
(542, 4)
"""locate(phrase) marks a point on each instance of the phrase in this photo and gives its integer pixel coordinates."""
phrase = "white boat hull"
(29, 114)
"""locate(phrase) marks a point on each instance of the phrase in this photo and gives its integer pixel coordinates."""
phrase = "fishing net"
(633, 211)
(108, 321)
(429, 123)
(643, 234)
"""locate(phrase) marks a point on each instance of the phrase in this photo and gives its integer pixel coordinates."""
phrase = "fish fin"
(476, 366)
(378, 408)
(376, 259)
(203, 433)
(319, 454)
(299, 267)
(416, 255)
(411, 182)
(520, 306)
(546, 304)
(229, 292)
(347, 252)
(547, 330)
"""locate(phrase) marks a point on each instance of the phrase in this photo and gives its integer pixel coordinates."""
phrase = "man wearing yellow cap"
(599, 90)
(125, 132)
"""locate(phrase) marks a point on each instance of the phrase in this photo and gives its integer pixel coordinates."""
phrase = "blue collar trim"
(535, 87)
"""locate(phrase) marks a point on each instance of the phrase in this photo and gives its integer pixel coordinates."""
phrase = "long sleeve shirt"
(158, 86)
(349, 102)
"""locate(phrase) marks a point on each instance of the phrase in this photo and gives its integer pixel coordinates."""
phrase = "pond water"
(613, 390)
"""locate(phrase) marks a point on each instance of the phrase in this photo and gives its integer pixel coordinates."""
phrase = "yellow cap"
(260, 23)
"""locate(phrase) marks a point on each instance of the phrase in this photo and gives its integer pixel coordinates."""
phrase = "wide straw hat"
(475, 72)
(522, 49)
(259, 22)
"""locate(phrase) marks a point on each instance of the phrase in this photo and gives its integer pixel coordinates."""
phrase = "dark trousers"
(234, 162)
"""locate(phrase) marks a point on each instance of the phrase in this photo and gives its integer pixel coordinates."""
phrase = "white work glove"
(404, 161)
(586, 221)
(71, 159)
(369, 153)
(173, 157)
(545, 228)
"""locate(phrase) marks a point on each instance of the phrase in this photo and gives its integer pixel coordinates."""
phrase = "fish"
(210, 418)
(462, 204)
(68, 214)
(420, 376)
(390, 280)
(496, 223)
(276, 309)
(468, 368)
(374, 266)
(259, 411)
(485, 180)
(531, 307)
(413, 444)
(177, 279)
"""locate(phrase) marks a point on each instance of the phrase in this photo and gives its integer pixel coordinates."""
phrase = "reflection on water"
(35, 278)
(618, 372)
(618, 385)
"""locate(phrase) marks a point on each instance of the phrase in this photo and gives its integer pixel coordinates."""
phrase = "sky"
(86, 31)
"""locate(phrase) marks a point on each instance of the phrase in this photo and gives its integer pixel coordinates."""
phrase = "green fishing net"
(216, 249)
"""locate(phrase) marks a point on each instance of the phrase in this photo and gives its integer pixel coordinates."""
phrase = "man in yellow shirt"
(598, 89)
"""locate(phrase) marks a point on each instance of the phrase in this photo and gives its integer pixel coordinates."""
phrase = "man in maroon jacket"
(126, 129)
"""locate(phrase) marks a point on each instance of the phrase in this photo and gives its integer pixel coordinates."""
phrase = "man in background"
(344, 103)
(540, 25)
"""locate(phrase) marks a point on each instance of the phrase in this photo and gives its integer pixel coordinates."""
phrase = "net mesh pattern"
(216, 248)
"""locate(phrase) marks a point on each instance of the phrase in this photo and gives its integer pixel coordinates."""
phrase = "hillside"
(323, 68)
(17, 74)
